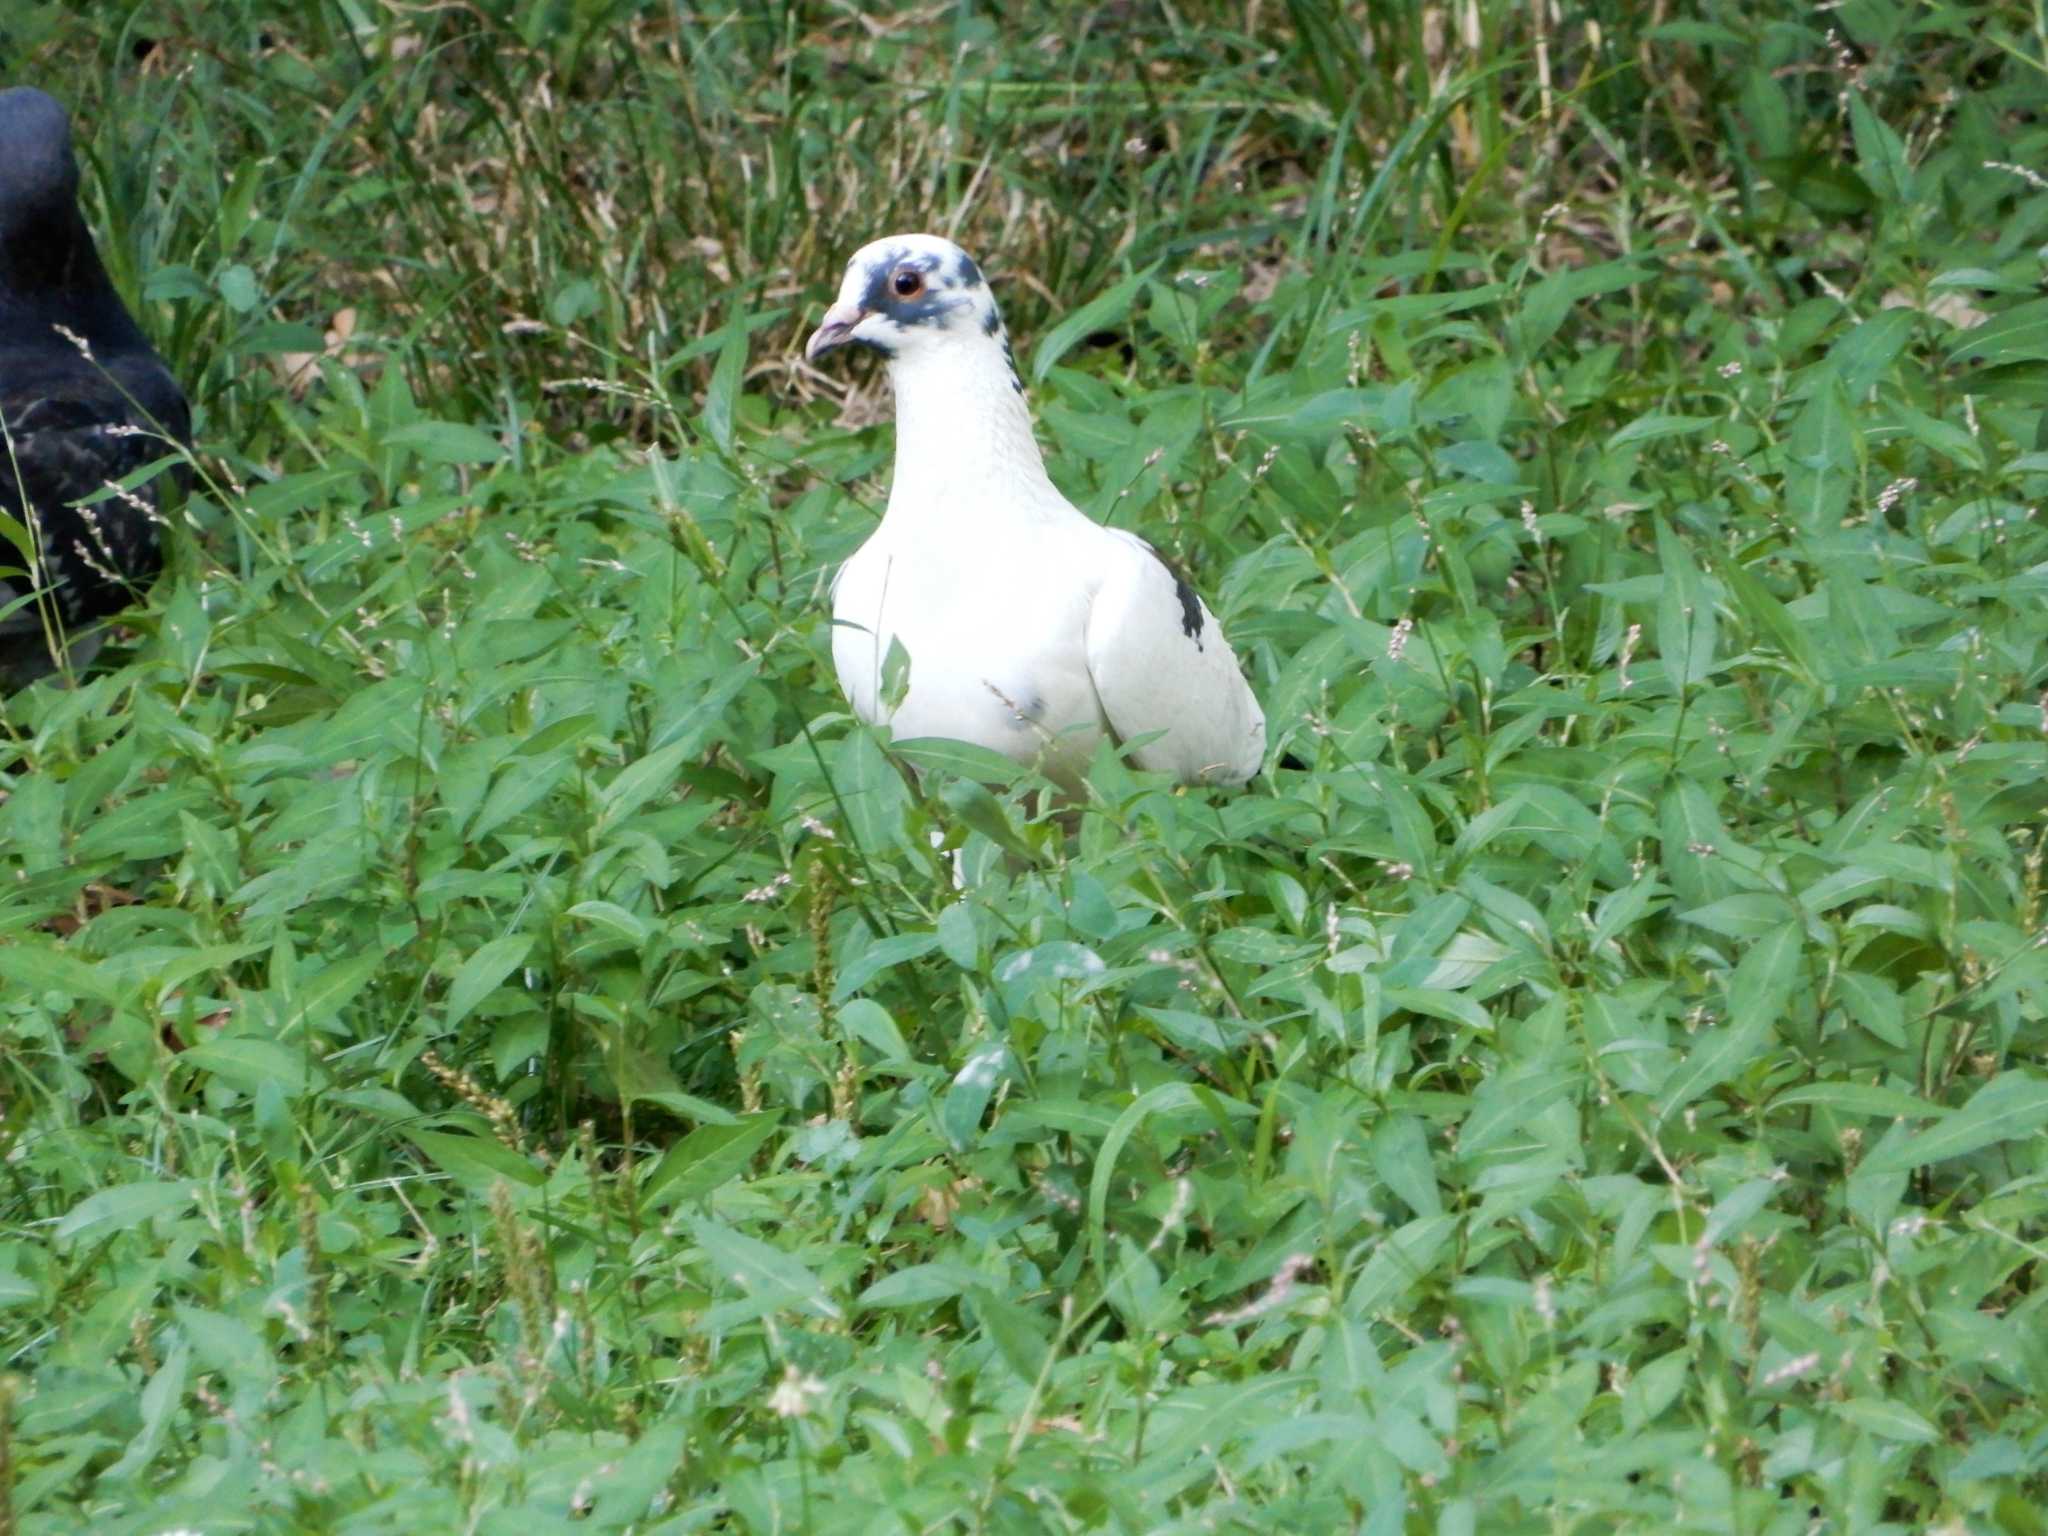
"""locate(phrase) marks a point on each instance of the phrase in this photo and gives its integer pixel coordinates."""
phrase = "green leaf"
(1888, 1419)
(1548, 301)
(1821, 454)
(722, 397)
(1766, 612)
(1862, 356)
(122, 1208)
(920, 1285)
(771, 1280)
(316, 1001)
(1100, 312)
(2015, 335)
(1020, 1338)
(708, 1158)
(880, 956)
(1852, 1098)
(481, 973)
(638, 782)
(447, 442)
(1400, 1155)
(1757, 991)
(1685, 614)
(1880, 152)
(1161, 1100)
(961, 758)
(41, 966)
(247, 1064)
(967, 1097)
(477, 1162)
(2011, 1106)
(1650, 429)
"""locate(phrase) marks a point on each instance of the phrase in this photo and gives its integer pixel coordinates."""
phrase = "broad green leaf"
(1880, 153)
(447, 442)
(1104, 310)
(1852, 1098)
(1821, 454)
(920, 1285)
(1019, 1335)
(877, 958)
(638, 782)
(40, 965)
(709, 1157)
(480, 974)
(1546, 303)
(1766, 612)
(1685, 614)
(1888, 1419)
(721, 399)
(1400, 1153)
(247, 1063)
(315, 1002)
(122, 1207)
(1757, 991)
(2011, 1106)
(2018, 334)
(770, 1279)
(1650, 429)
(1862, 355)
(1400, 1262)
(967, 1097)
(477, 1162)
(1162, 1100)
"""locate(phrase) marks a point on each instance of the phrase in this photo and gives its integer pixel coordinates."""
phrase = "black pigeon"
(85, 403)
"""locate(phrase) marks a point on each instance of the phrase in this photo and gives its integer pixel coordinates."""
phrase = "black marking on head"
(970, 274)
(928, 308)
(991, 323)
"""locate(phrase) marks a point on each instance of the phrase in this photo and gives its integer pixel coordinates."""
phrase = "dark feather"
(80, 414)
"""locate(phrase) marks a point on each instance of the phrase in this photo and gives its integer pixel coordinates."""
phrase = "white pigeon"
(1029, 628)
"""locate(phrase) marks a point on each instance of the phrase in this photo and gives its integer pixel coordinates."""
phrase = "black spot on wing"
(1027, 711)
(1190, 604)
(1190, 610)
(991, 323)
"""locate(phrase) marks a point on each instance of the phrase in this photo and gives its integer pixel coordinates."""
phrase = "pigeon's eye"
(909, 284)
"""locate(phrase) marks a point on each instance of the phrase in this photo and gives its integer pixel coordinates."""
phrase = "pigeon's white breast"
(994, 626)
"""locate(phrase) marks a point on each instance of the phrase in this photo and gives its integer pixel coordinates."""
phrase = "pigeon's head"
(907, 295)
(37, 169)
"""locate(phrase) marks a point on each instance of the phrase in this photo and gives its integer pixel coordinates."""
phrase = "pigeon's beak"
(835, 330)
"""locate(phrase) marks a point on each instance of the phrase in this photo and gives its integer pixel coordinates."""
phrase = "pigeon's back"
(84, 402)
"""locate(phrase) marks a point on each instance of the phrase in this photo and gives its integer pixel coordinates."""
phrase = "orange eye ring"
(908, 283)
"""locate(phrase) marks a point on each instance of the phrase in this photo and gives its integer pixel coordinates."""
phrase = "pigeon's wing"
(1160, 663)
(67, 439)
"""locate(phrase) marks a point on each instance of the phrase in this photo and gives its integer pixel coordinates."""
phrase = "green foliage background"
(490, 1044)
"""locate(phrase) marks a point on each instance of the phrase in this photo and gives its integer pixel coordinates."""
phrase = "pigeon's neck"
(50, 273)
(963, 433)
